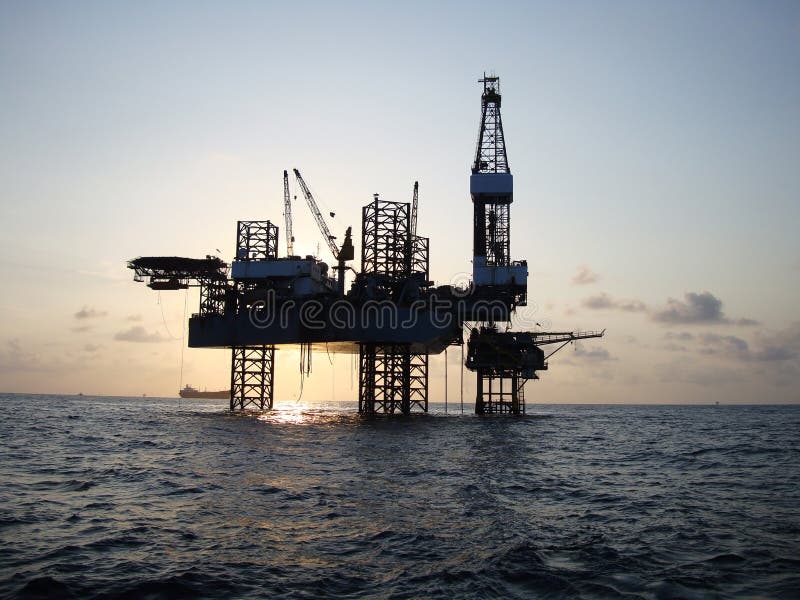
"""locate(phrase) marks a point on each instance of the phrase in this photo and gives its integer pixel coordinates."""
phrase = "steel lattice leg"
(499, 392)
(392, 379)
(252, 377)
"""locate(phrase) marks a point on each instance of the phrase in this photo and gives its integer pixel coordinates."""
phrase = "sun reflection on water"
(304, 414)
(290, 415)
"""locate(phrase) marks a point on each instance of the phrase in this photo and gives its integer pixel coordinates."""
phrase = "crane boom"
(557, 337)
(323, 227)
(414, 203)
(287, 213)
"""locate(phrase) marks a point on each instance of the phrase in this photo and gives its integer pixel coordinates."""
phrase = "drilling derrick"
(491, 186)
(503, 360)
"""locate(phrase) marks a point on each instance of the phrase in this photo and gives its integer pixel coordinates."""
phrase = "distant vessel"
(190, 392)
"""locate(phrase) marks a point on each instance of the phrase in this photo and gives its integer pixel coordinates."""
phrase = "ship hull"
(221, 395)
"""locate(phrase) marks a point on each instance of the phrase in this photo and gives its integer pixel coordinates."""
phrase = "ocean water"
(146, 498)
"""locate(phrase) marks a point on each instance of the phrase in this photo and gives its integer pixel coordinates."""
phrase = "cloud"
(728, 345)
(776, 353)
(705, 376)
(675, 341)
(585, 276)
(89, 313)
(769, 358)
(604, 301)
(745, 322)
(81, 328)
(683, 336)
(685, 369)
(91, 348)
(135, 318)
(15, 358)
(783, 346)
(695, 308)
(673, 347)
(593, 354)
(138, 334)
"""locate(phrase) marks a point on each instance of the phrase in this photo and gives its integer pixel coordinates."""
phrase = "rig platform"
(393, 316)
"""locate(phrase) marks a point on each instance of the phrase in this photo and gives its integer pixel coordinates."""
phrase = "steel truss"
(176, 273)
(212, 296)
(490, 155)
(256, 240)
(500, 392)
(252, 381)
(392, 380)
(497, 217)
(253, 367)
(385, 239)
(419, 255)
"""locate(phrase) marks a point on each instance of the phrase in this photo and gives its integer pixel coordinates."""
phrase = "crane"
(343, 254)
(414, 203)
(287, 212)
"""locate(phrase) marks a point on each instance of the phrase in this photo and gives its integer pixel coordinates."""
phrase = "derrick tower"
(491, 186)
(503, 360)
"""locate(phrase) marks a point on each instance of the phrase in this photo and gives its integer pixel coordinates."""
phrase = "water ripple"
(135, 498)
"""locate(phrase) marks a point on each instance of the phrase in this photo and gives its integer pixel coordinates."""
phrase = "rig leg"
(252, 377)
(366, 379)
(480, 405)
(392, 379)
(418, 375)
(500, 392)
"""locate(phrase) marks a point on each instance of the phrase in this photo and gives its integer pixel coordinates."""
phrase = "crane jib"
(323, 227)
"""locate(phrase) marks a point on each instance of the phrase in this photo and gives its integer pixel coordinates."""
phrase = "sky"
(655, 149)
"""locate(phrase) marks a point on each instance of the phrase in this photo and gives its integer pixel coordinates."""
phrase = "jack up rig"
(392, 316)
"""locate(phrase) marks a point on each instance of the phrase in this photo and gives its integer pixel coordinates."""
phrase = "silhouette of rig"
(392, 316)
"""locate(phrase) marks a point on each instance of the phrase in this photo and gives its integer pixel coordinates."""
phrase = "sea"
(108, 497)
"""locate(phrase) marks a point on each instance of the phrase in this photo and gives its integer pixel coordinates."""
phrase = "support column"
(252, 377)
(418, 387)
(392, 379)
(480, 408)
(366, 379)
(499, 392)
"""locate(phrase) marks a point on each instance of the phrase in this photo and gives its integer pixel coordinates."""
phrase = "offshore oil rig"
(392, 315)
